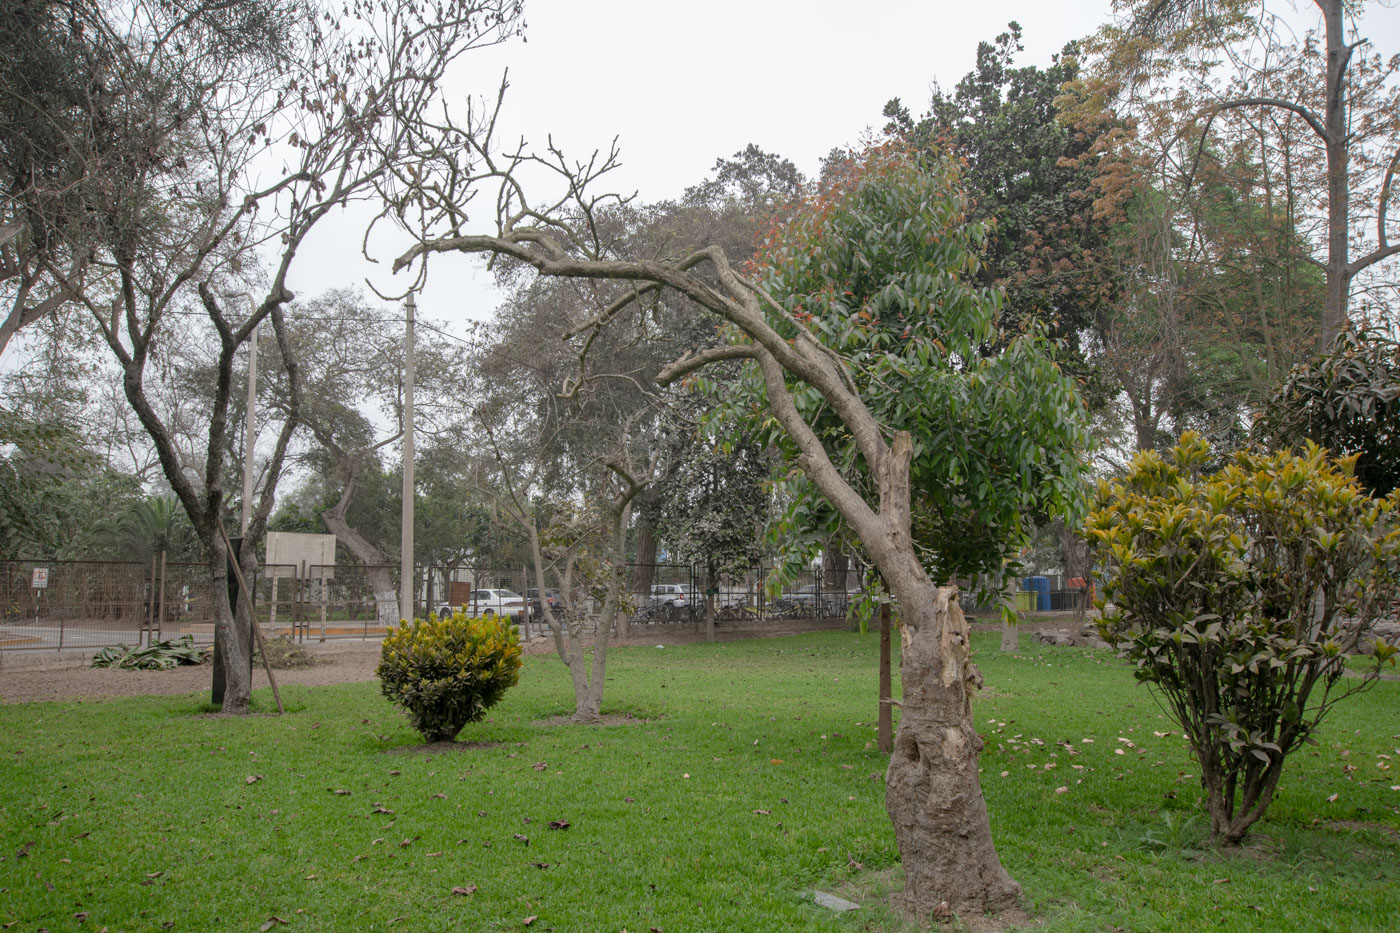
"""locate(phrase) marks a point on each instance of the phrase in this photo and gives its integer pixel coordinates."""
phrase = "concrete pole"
(406, 581)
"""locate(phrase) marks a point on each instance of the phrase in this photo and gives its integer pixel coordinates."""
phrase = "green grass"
(137, 813)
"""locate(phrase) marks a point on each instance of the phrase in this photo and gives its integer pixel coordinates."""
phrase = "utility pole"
(406, 581)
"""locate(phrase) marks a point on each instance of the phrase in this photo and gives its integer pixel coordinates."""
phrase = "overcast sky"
(681, 85)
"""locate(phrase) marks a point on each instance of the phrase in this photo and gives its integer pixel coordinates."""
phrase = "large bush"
(448, 672)
(1239, 597)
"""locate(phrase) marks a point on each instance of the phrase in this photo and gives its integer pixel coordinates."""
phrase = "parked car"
(491, 602)
(668, 596)
(813, 597)
(551, 596)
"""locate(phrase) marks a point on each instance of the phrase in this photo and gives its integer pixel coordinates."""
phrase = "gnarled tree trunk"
(932, 793)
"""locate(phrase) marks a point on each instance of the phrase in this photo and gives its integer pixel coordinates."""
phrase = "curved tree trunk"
(381, 579)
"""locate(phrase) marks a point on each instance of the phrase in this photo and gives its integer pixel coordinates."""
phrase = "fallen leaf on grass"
(338, 793)
(525, 840)
(381, 809)
(465, 890)
(762, 812)
(532, 918)
(272, 922)
(540, 765)
(540, 865)
(434, 854)
(252, 779)
(1062, 790)
(1221, 881)
(558, 824)
(1332, 799)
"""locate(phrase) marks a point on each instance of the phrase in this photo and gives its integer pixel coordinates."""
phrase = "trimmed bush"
(1238, 596)
(448, 672)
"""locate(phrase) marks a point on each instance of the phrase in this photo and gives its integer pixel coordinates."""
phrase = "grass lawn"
(751, 782)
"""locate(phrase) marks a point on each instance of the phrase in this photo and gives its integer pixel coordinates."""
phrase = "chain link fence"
(93, 604)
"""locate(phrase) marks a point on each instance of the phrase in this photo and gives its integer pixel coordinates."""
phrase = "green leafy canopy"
(881, 268)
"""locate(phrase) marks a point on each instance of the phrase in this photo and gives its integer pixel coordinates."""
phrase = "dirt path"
(27, 677)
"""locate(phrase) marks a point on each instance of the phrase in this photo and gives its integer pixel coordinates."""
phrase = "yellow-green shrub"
(448, 672)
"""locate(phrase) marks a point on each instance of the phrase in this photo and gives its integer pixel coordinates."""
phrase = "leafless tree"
(261, 157)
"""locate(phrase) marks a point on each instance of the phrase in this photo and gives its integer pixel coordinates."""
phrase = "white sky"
(681, 85)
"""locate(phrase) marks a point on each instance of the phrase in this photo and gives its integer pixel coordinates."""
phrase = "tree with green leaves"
(869, 344)
(714, 508)
(1347, 401)
(1033, 174)
(1239, 596)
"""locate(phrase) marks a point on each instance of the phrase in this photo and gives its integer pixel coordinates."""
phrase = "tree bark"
(238, 682)
(932, 792)
(1338, 184)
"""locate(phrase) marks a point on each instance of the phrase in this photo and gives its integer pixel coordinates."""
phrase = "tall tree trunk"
(932, 792)
(1338, 189)
(835, 564)
(711, 583)
(644, 564)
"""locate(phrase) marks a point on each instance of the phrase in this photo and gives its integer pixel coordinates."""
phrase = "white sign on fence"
(40, 579)
(293, 550)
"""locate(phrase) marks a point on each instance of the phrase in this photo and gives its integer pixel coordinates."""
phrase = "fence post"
(323, 604)
(529, 606)
(272, 604)
(160, 614)
(299, 610)
(150, 619)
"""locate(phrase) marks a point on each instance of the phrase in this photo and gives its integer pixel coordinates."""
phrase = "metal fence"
(82, 604)
(92, 604)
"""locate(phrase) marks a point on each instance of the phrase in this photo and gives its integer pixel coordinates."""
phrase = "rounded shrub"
(448, 672)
